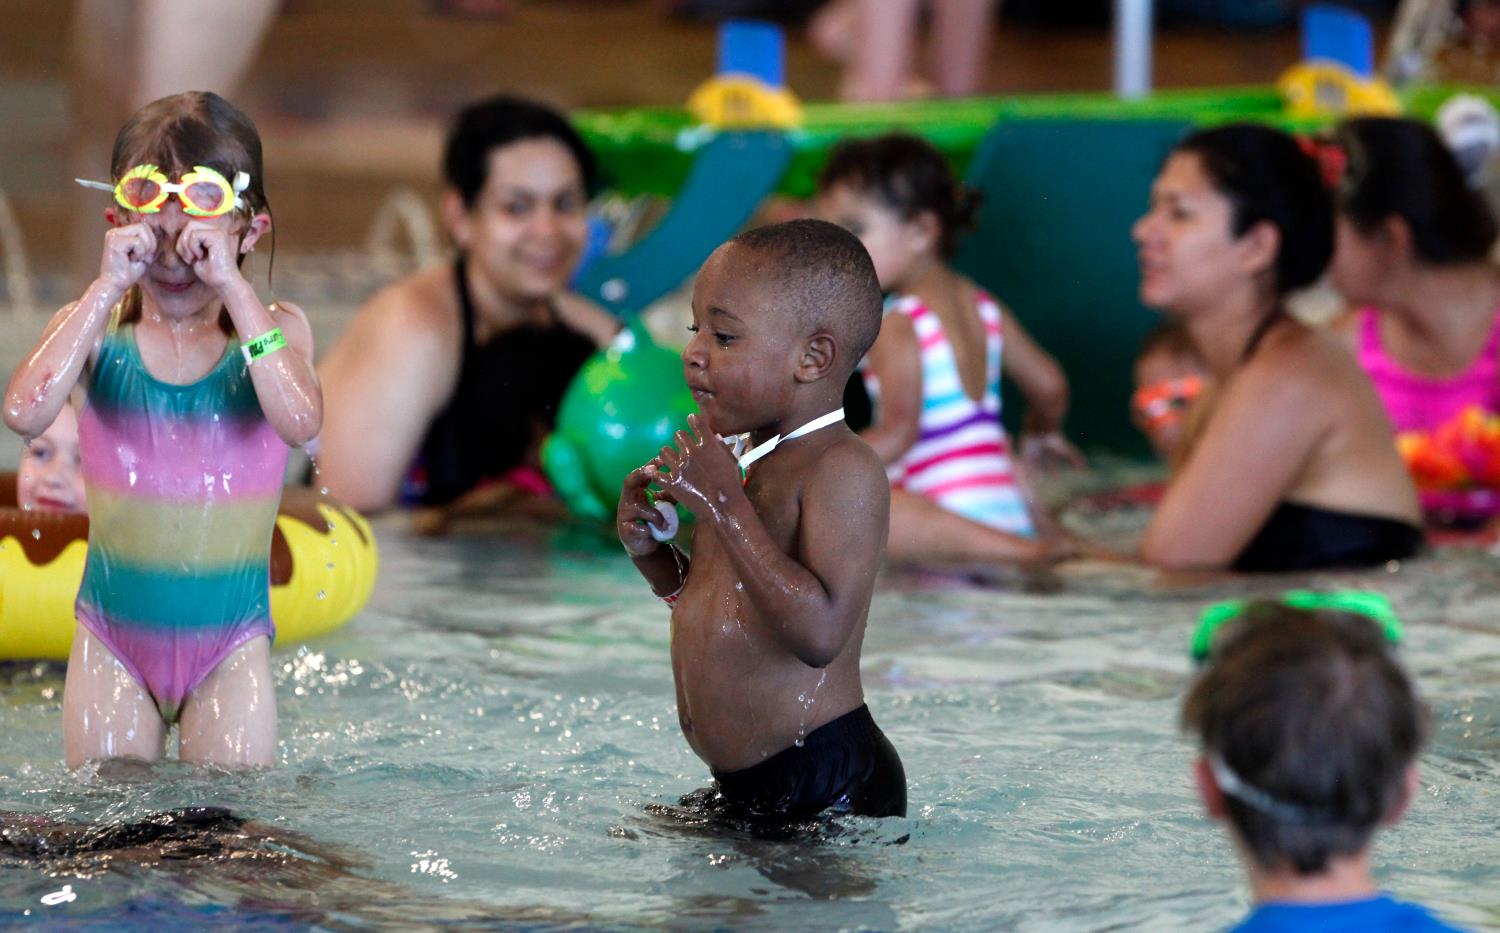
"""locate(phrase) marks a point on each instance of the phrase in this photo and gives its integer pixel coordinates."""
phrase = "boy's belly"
(743, 699)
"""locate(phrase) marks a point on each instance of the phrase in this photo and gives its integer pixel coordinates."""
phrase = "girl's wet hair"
(1311, 711)
(185, 130)
(497, 122)
(1402, 168)
(909, 175)
(1267, 178)
(195, 128)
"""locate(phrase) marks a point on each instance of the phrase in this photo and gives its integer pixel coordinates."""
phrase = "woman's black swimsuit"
(504, 404)
(1306, 537)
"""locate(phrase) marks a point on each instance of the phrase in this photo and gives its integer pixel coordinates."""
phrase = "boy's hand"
(704, 474)
(635, 513)
(128, 251)
(211, 250)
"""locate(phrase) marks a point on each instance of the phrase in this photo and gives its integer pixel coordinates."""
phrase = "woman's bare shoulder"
(426, 300)
(413, 322)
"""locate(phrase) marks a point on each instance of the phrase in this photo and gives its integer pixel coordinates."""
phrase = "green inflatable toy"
(620, 410)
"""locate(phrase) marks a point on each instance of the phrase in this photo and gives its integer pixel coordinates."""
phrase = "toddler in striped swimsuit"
(934, 372)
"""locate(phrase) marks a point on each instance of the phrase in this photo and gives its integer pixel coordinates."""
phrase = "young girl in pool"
(956, 491)
(193, 392)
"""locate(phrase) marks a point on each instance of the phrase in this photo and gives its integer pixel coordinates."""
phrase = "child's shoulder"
(847, 460)
(959, 291)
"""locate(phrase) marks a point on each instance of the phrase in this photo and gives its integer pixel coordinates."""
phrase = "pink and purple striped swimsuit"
(961, 459)
(183, 486)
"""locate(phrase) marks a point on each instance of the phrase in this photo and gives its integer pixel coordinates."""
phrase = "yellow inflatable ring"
(323, 562)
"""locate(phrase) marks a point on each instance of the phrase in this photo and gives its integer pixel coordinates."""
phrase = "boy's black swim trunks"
(844, 766)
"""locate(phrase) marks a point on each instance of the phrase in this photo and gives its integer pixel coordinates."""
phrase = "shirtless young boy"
(769, 615)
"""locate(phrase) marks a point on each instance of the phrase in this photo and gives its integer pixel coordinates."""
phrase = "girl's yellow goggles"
(203, 192)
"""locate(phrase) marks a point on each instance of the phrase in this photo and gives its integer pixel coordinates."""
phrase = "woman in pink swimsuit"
(1413, 256)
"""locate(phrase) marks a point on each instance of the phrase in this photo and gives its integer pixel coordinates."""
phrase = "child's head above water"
(778, 312)
(1309, 733)
(1169, 375)
(50, 478)
(197, 128)
(199, 141)
(898, 195)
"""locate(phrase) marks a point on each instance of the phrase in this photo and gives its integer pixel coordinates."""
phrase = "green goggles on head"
(1373, 606)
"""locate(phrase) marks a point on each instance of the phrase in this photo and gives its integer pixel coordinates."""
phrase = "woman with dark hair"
(1413, 258)
(446, 382)
(1289, 464)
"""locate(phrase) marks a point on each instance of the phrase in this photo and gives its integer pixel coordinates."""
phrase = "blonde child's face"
(170, 282)
(51, 477)
(526, 230)
(893, 243)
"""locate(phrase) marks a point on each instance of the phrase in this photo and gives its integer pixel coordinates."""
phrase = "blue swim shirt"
(1376, 915)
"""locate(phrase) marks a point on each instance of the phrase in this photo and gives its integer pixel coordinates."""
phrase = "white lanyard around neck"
(760, 450)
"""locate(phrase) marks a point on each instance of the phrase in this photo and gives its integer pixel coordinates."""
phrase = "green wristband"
(264, 345)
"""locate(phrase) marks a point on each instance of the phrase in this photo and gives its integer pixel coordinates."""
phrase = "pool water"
(492, 742)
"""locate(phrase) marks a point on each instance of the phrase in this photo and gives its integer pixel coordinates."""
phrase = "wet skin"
(767, 631)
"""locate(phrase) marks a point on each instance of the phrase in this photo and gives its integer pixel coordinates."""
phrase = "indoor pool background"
(490, 736)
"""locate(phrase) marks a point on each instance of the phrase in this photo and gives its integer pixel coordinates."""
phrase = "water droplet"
(322, 490)
(799, 743)
(322, 595)
(36, 534)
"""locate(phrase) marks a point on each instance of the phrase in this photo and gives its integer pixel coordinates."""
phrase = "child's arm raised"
(811, 609)
(285, 382)
(39, 387)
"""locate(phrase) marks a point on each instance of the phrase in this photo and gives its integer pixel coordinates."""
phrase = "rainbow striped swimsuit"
(961, 459)
(183, 486)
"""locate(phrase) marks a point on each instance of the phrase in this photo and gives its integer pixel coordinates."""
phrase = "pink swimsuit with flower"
(1448, 430)
(1422, 403)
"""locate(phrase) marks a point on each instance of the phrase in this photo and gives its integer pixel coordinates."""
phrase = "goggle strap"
(96, 185)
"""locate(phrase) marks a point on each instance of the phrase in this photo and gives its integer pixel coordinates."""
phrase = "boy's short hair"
(1310, 725)
(827, 278)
